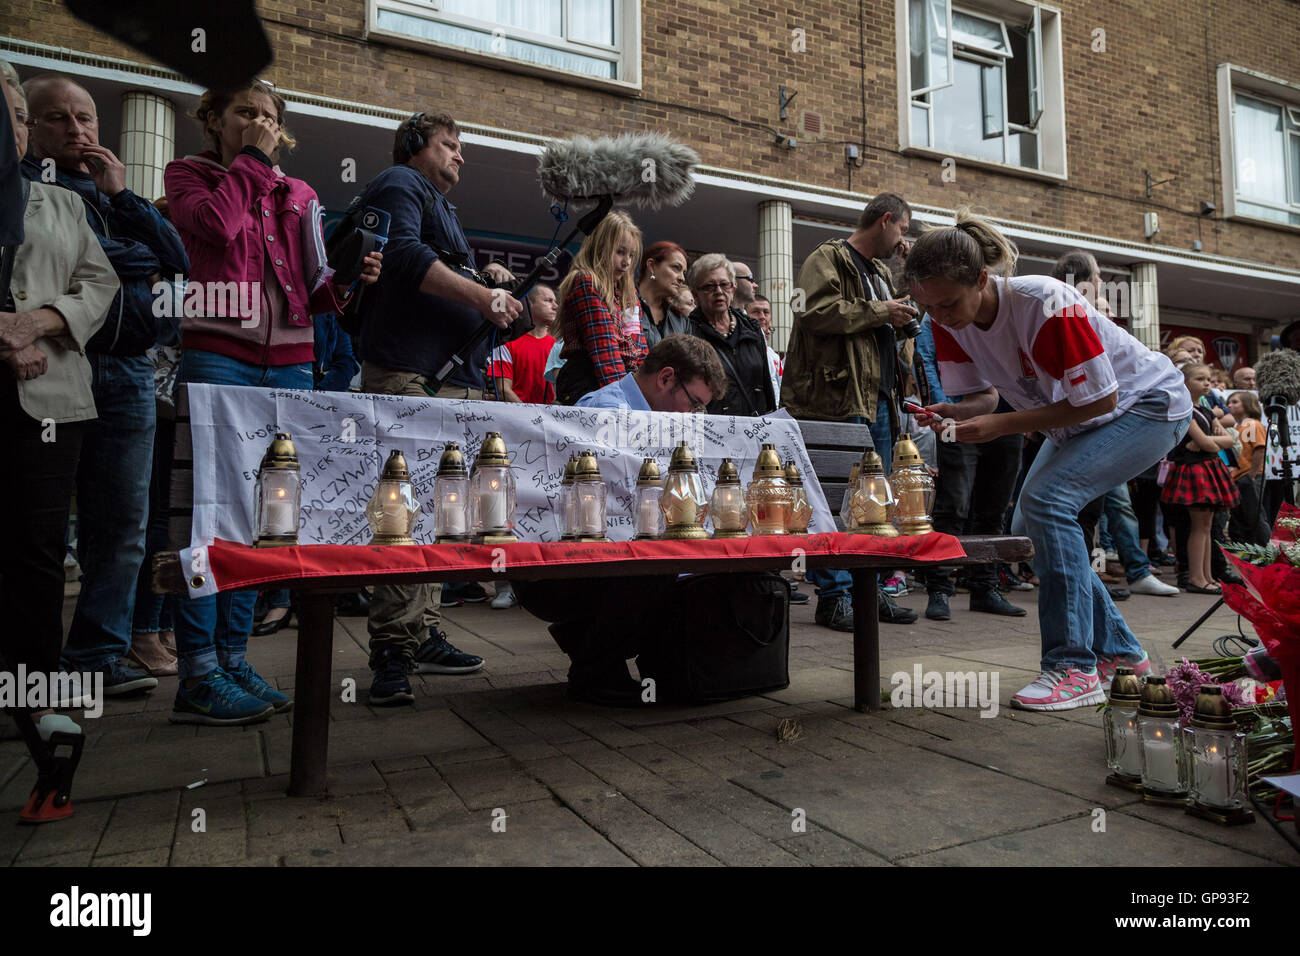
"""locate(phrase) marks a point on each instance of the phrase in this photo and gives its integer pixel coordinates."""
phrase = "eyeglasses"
(748, 279)
(711, 287)
(697, 406)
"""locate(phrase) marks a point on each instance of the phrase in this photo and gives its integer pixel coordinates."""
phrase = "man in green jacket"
(840, 363)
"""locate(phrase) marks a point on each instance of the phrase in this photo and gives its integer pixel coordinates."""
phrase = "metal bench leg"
(866, 640)
(308, 762)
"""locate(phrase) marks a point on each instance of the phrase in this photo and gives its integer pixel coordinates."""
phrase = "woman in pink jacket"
(250, 233)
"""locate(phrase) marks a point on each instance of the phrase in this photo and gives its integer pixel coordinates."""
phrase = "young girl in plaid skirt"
(1199, 480)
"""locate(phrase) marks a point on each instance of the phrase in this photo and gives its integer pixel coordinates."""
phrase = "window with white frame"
(984, 83)
(1260, 128)
(592, 38)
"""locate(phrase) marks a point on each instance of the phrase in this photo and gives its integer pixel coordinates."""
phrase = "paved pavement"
(500, 768)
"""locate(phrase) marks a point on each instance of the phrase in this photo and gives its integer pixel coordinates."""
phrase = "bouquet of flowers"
(1270, 598)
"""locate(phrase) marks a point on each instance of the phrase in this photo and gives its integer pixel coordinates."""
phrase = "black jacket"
(139, 242)
(744, 359)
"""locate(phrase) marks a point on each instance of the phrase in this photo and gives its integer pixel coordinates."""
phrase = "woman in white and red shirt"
(1109, 406)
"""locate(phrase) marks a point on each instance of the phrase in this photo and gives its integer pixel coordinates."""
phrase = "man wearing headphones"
(425, 306)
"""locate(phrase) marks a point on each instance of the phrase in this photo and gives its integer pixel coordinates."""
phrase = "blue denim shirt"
(624, 393)
(403, 327)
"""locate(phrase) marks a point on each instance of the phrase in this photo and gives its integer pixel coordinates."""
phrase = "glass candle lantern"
(846, 506)
(913, 488)
(649, 489)
(800, 509)
(590, 497)
(1162, 745)
(1123, 741)
(392, 508)
(727, 509)
(768, 496)
(683, 503)
(1215, 761)
(492, 493)
(279, 495)
(873, 499)
(568, 514)
(451, 496)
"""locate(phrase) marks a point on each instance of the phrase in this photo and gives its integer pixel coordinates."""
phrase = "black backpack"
(724, 636)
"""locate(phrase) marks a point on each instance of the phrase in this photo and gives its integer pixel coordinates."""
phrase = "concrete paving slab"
(925, 803)
(154, 765)
(1127, 840)
(411, 732)
(537, 833)
(488, 784)
(1259, 838)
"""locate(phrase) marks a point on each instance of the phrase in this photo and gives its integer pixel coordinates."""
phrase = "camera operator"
(427, 303)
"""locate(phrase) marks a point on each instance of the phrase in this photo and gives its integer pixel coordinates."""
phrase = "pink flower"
(1185, 681)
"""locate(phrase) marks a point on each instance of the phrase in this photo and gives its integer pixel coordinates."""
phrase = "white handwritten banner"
(1273, 459)
(344, 438)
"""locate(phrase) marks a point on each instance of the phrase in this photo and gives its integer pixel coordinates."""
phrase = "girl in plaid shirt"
(600, 315)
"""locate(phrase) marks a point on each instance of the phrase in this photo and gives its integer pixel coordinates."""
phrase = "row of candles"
(479, 503)
(1200, 767)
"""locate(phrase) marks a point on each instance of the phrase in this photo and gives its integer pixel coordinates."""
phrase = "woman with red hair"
(663, 277)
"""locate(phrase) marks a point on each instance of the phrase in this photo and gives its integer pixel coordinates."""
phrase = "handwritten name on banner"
(344, 438)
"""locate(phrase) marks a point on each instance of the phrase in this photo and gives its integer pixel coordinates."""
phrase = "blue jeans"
(213, 631)
(112, 509)
(834, 583)
(1076, 617)
(1123, 524)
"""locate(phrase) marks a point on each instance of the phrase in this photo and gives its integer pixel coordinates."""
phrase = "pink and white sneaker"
(1060, 690)
(1106, 668)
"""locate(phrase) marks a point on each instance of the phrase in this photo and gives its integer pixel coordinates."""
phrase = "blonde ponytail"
(960, 253)
(1000, 253)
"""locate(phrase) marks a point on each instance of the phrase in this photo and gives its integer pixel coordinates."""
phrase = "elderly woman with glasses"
(736, 338)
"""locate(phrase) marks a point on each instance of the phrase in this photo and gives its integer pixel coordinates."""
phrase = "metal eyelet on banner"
(198, 581)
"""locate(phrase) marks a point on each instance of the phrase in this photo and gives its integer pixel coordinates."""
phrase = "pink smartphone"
(914, 409)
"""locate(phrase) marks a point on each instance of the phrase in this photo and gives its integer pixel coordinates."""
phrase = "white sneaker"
(1153, 586)
(56, 723)
(505, 597)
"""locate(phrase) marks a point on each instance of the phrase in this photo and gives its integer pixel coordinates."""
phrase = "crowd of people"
(1050, 419)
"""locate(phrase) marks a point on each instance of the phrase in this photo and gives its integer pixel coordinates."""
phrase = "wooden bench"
(833, 447)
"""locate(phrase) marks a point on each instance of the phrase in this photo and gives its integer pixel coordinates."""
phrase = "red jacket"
(240, 225)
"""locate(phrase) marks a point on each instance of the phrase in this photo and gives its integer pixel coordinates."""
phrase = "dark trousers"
(36, 485)
(1088, 519)
(1178, 525)
(1246, 523)
(598, 622)
(1145, 494)
(971, 495)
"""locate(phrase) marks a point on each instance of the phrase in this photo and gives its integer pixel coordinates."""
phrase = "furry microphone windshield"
(648, 169)
(1277, 375)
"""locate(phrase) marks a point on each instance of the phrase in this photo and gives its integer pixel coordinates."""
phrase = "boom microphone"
(1278, 377)
(647, 169)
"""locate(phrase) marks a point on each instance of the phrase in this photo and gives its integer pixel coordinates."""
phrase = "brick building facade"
(1129, 108)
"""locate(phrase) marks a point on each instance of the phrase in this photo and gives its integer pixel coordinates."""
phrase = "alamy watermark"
(178, 298)
(42, 690)
(947, 689)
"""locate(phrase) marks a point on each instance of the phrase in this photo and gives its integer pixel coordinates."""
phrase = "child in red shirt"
(516, 368)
